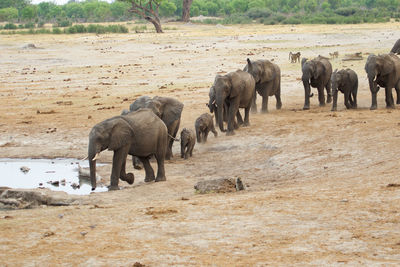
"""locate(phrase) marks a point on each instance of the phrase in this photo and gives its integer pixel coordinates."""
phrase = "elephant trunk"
(220, 111)
(92, 154)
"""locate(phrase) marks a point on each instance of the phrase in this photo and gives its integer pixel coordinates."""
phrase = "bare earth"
(317, 181)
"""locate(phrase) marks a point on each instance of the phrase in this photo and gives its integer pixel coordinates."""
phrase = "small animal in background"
(334, 55)
(203, 125)
(188, 140)
(294, 57)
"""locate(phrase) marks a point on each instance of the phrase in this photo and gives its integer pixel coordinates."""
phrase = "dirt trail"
(317, 181)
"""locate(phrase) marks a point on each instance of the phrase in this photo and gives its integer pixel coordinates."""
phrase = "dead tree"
(186, 10)
(148, 9)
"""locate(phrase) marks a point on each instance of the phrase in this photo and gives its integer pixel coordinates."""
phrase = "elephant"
(383, 70)
(212, 105)
(346, 81)
(188, 140)
(168, 109)
(203, 125)
(396, 47)
(267, 76)
(140, 134)
(236, 90)
(316, 73)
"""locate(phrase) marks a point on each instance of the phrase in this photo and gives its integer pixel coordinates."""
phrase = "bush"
(291, 20)
(57, 31)
(29, 25)
(63, 23)
(346, 11)
(256, 13)
(10, 26)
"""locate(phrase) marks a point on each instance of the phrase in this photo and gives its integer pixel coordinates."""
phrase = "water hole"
(55, 174)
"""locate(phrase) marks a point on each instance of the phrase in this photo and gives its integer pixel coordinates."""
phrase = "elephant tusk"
(85, 158)
(96, 156)
(175, 139)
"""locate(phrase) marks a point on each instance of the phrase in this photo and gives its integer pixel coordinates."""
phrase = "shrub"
(346, 11)
(291, 20)
(29, 25)
(256, 13)
(10, 26)
(57, 31)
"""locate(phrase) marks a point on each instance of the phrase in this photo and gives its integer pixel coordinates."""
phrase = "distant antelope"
(334, 54)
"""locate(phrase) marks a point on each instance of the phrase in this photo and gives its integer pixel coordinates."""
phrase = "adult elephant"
(168, 109)
(316, 73)
(236, 90)
(140, 134)
(267, 76)
(383, 70)
(396, 47)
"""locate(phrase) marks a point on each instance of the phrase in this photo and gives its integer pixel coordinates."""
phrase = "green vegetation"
(77, 28)
(224, 11)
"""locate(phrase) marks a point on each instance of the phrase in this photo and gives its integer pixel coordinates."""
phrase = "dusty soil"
(317, 181)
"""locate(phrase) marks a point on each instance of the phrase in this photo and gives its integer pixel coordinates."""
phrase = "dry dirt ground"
(317, 181)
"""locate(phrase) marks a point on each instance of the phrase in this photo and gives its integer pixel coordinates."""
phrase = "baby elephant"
(203, 125)
(346, 81)
(188, 140)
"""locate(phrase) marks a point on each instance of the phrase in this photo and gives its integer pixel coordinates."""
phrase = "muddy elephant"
(383, 70)
(188, 140)
(267, 76)
(345, 81)
(236, 89)
(316, 73)
(396, 47)
(168, 109)
(140, 134)
(203, 125)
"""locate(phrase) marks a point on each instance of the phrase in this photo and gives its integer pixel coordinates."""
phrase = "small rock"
(24, 169)
(75, 186)
(48, 233)
(83, 233)
(61, 216)
(55, 183)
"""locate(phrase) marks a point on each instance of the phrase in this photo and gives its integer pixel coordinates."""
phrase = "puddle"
(35, 173)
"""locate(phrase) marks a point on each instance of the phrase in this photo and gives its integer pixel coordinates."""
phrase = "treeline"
(224, 11)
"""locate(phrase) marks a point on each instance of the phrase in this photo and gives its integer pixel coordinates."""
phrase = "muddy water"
(55, 174)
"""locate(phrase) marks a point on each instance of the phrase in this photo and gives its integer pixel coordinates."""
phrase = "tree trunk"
(156, 22)
(186, 10)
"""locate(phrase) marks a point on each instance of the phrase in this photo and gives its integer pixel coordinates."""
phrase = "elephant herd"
(150, 126)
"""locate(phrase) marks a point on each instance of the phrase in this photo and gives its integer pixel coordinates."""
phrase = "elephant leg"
(389, 97)
(397, 88)
(321, 96)
(329, 92)
(335, 97)
(127, 177)
(307, 91)
(253, 103)
(182, 150)
(239, 118)
(174, 130)
(206, 135)
(351, 100)
(213, 131)
(246, 116)
(119, 158)
(346, 100)
(149, 176)
(278, 95)
(264, 107)
(160, 168)
(136, 163)
(191, 149)
(354, 94)
(233, 108)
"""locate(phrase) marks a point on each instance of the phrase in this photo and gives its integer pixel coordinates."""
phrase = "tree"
(28, 13)
(167, 9)
(186, 10)
(8, 14)
(147, 9)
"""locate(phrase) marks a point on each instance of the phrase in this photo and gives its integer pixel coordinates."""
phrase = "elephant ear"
(120, 135)
(268, 73)
(249, 66)
(303, 61)
(385, 65)
(170, 108)
(234, 83)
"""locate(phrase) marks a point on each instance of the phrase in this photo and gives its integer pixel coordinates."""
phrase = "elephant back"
(171, 109)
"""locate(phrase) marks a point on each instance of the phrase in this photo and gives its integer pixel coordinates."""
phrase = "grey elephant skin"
(316, 73)
(383, 70)
(267, 76)
(212, 105)
(140, 134)
(236, 90)
(188, 140)
(396, 47)
(168, 109)
(345, 81)
(203, 125)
